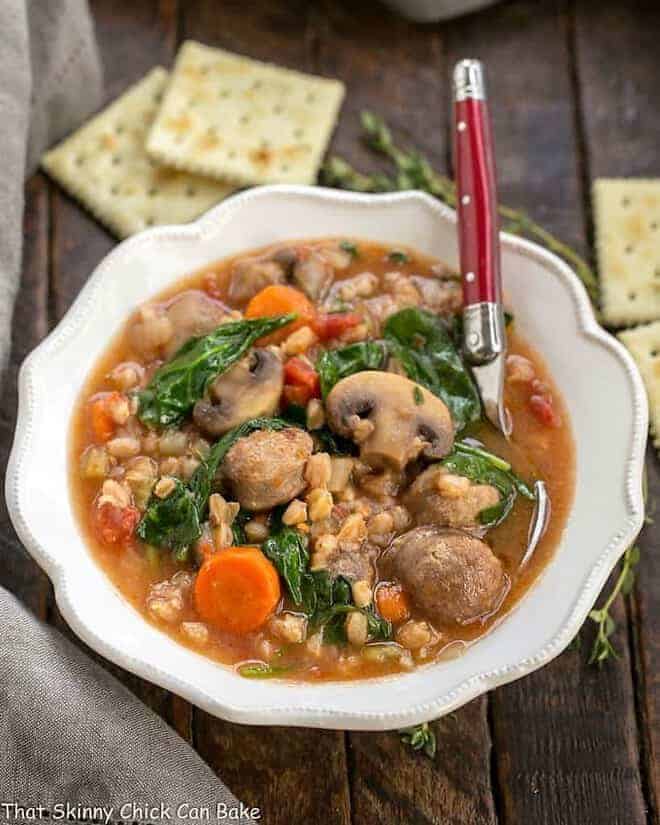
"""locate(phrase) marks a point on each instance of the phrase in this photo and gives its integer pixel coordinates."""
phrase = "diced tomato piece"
(542, 407)
(296, 395)
(113, 524)
(301, 381)
(101, 420)
(333, 324)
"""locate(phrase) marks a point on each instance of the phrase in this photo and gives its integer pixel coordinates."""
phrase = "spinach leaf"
(335, 364)
(424, 347)
(483, 467)
(238, 527)
(325, 600)
(286, 547)
(174, 523)
(179, 383)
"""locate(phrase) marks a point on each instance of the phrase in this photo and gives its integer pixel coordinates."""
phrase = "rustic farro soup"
(282, 462)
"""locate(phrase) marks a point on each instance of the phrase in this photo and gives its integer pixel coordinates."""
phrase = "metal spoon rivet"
(469, 277)
(465, 200)
(461, 125)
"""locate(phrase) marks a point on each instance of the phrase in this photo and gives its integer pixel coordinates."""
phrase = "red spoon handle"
(477, 198)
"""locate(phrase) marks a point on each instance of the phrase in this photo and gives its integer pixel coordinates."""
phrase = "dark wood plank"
(399, 72)
(391, 783)
(132, 39)
(292, 775)
(565, 737)
(617, 59)
(18, 572)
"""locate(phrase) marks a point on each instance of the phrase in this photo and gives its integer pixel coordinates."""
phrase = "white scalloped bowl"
(598, 379)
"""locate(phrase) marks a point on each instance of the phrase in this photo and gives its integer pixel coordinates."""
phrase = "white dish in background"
(432, 11)
(598, 379)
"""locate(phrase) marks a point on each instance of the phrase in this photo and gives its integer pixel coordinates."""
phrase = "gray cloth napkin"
(69, 732)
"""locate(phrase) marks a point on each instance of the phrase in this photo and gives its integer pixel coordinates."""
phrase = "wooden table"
(574, 89)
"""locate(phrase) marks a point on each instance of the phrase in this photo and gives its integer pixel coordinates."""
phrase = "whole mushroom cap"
(391, 417)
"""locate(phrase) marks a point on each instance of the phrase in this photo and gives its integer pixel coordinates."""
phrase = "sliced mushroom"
(391, 417)
(250, 389)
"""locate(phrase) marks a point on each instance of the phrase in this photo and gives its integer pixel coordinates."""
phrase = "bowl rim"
(468, 689)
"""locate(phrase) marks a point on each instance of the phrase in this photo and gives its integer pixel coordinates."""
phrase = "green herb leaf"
(335, 364)
(420, 738)
(174, 523)
(602, 648)
(286, 547)
(179, 383)
(350, 247)
(483, 467)
(171, 523)
(421, 342)
(397, 256)
(260, 670)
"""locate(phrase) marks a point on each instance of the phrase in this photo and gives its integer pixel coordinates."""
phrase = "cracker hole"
(655, 353)
(119, 129)
(191, 191)
(114, 190)
(244, 119)
(284, 167)
(298, 133)
(278, 109)
(628, 249)
(653, 225)
(150, 221)
(632, 296)
(79, 160)
(257, 84)
(158, 98)
(625, 202)
(231, 153)
(310, 98)
(224, 93)
(116, 160)
(152, 192)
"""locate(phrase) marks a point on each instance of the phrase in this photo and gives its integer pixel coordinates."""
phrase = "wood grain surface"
(573, 88)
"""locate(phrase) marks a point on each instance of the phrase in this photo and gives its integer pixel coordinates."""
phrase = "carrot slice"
(278, 299)
(102, 422)
(392, 602)
(237, 589)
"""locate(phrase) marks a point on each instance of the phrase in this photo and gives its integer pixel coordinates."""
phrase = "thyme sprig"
(420, 738)
(602, 648)
(412, 170)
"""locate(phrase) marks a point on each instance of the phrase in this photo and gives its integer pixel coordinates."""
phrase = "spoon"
(484, 337)
(484, 333)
